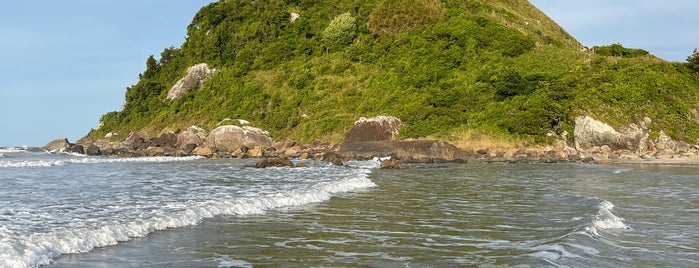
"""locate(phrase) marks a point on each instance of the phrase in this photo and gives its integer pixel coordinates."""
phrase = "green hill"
(449, 69)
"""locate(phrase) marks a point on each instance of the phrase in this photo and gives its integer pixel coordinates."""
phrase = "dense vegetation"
(448, 67)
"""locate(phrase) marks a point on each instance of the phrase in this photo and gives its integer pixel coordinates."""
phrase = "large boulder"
(191, 138)
(57, 145)
(590, 133)
(422, 151)
(93, 149)
(137, 141)
(373, 129)
(194, 79)
(166, 139)
(230, 138)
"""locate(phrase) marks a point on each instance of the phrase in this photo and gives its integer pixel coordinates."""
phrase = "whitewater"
(56, 204)
(67, 210)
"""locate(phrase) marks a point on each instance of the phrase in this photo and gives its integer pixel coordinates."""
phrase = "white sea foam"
(553, 252)
(40, 248)
(93, 160)
(606, 220)
(12, 150)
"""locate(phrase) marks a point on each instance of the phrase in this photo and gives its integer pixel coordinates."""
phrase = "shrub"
(341, 31)
(617, 50)
(392, 17)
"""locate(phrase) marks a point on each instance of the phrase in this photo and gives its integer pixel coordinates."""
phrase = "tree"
(693, 61)
(152, 67)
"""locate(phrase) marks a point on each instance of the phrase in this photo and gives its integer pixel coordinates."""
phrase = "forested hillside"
(307, 69)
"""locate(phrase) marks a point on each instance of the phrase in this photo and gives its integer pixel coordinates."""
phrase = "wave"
(93, 160)
(40, 248)
(13, 150)
(606, 220)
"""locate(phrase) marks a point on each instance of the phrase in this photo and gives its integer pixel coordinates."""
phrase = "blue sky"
(668, 29)
(65, 63)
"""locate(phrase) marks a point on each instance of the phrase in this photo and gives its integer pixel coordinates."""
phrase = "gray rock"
(93, 150)
(421, 151)
(57, 145)
(76, 148)
(191, 138)
(274, 162)
(590, 133)
(230, 138)
(373, 129)
(166, 139)
(194, 79)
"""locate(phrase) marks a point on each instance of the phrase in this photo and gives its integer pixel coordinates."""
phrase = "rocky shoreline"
(375, 137)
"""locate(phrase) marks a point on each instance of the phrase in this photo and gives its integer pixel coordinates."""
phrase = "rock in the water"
(274, 162)
(392, 164)
(373, 129)
(93, 150)
(76, 148)
(57, 145)
(230, 138)
(194, 79)
(333, 158)
(301, 165)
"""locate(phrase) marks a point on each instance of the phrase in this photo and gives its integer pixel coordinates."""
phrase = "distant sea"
(63, 210)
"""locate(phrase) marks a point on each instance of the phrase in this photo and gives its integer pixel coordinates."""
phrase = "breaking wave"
(92, 160)
(36, 249)
(606, 220)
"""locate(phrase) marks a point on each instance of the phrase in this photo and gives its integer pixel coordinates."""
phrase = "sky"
(65, 63)
(667, 29)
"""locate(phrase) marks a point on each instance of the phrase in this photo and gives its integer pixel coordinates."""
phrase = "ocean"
(63, 210)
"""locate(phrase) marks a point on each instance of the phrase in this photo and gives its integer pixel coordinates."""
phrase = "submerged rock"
(333, 158)
(274, 162)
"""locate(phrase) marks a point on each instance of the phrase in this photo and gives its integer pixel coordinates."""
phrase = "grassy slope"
(461, 69)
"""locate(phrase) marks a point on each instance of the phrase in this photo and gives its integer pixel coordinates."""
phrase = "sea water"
(63, 210)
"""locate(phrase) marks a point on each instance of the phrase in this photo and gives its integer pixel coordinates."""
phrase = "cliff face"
(305, 70)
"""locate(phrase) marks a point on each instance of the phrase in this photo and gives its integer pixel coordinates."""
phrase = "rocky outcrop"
(373, 129)
(373, 137)
(590, 133)
(411, 151)
(57, 145)
(194, 79)
(229, 138)
(599, 141)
